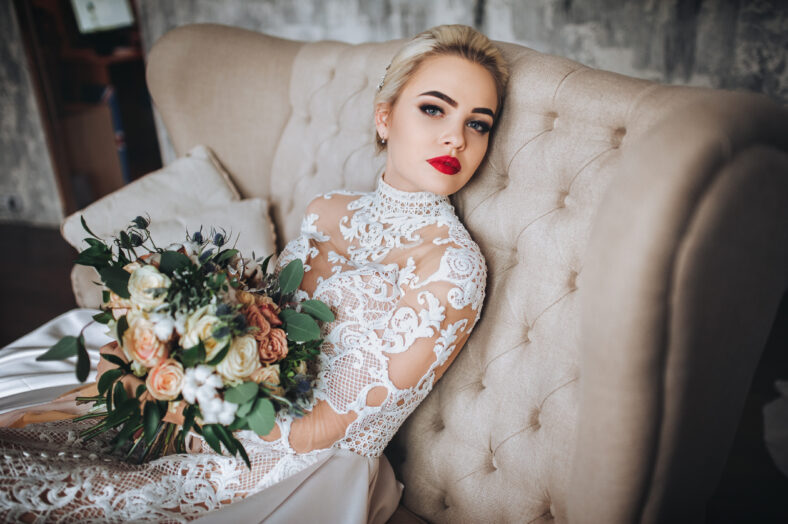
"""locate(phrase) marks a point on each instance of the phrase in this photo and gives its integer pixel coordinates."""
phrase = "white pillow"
(191, 183)
(246, 220)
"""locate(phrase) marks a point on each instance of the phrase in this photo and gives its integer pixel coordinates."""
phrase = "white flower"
(240, 361)
(143, 285)
(200, 382)
(218, 411)
(199, 326)
(162, 326)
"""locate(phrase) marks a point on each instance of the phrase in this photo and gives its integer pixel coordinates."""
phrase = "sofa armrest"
(685, 269)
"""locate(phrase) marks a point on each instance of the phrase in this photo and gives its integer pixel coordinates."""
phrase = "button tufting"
(572, 283)
(307, 119)
(552, 117)
(439, 425)
(493, 463)
(618, 136)
(534, 420)
(445, 501)
(562, 195)
(526, 333)
(332, 73)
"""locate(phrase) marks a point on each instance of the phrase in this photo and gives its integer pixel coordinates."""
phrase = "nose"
(454, 137)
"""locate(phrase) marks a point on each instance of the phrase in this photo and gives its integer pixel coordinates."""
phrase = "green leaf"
(287, 313)
(172, 260)
(117, 279)
(291, 276)
(114, 359)
(240, 448)
(193, 356)
(242, 393)
(224, 436)
(66, 347)
(245, 408)
(128, 429)
(265, 263)
(225, 255)
(123, 325)
(239, 423)
(261, 418)
(211, 438)
(220, 355)
(107, 379)
(105, 295)
(188, 417)
(317, 309)
(94, 256)
(85, 226)
(103, 318)
(119, 394)
(302, 328)
(83, 360)
(152, 420)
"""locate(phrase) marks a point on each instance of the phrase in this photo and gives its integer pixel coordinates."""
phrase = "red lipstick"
(448, 165)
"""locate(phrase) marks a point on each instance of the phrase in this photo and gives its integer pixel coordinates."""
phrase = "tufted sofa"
(637, 242)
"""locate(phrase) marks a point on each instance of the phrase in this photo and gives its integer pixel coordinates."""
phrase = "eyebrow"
(449, 100)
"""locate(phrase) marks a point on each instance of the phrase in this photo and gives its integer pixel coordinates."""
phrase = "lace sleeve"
(384, 352)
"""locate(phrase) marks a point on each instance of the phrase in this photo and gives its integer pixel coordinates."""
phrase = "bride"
(406, 283)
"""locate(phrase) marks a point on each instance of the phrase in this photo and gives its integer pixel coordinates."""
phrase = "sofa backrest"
(499, 439)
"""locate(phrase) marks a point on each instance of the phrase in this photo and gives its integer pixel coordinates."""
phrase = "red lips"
(448, 165)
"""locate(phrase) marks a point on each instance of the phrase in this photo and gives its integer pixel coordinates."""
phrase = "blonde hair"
(458, 40)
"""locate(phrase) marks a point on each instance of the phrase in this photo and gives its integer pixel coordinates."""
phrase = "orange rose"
(141, 343)
(165, 381)
(274, 347)
(270, 375)
(255, 318)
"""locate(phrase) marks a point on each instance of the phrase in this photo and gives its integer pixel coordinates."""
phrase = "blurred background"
(77, 123)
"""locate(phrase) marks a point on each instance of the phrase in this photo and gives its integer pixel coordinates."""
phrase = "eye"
(431, 110)
(478, 125)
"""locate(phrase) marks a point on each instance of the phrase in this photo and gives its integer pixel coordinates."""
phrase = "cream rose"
(143, 283)
(270, 375)
(240, 361)
(142, 345)
(165, 381)
(274, 347)
(199, 326)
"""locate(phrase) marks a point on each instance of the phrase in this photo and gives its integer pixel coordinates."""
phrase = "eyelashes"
(432, 110)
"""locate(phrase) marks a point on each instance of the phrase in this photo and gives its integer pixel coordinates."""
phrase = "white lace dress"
(406, 283)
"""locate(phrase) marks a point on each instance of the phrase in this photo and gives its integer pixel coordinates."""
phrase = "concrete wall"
(28, 191)
(718, 43)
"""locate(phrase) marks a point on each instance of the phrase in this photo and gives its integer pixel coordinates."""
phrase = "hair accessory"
(383, 77)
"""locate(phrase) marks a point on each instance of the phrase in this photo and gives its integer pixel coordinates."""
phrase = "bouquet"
(207, 341)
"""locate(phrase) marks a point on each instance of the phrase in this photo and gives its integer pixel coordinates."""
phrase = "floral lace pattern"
(406, 283)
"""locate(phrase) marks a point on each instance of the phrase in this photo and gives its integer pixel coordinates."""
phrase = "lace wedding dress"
(406, 283)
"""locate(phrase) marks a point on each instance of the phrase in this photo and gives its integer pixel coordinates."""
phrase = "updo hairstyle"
(458, 40)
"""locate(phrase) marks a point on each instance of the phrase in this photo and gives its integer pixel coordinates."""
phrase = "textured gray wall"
(717, 43)
(28, 191)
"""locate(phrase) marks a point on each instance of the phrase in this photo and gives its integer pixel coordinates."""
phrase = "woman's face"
(438, 129)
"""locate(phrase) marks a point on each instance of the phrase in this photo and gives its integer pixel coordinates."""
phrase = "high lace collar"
(390, 201)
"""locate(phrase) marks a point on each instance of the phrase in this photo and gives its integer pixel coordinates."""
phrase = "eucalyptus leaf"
(103, 318)
(152, 420)
(172, 260)
(261, 418)
(66, 347)
(122, 326)
(287, 313)
(106, 379)
(211, 438)
(242, 393)
(245, 408)
(302, 328)
(83, 360)
(117, 279)
(291, 276)
(317, 309)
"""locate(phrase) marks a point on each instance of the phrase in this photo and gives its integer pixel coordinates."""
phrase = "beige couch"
(637, 240)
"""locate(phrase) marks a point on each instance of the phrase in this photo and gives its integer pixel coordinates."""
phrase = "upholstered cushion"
(553, 408)
(245, 222)
(194, 181)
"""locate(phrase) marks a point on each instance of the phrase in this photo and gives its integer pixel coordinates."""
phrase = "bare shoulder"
(333, 203)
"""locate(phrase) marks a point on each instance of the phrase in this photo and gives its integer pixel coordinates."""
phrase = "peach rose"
(165, 380)
(255, 318)
(142, 344)
(274, 347)
(270, 375)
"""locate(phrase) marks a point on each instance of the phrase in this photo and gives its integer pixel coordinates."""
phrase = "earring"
(383, 141)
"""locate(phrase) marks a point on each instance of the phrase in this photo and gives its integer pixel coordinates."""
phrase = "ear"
(382, 116)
